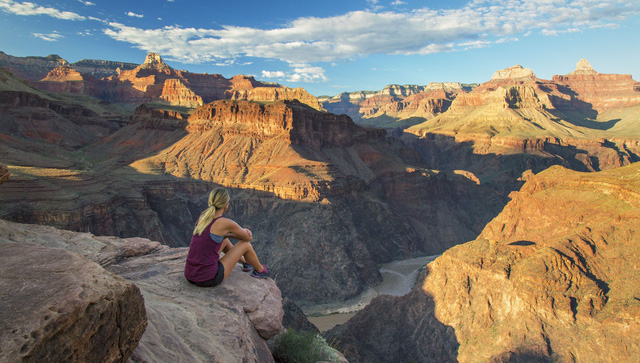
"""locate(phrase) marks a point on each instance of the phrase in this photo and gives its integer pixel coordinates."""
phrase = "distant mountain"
(585, 120)
(395, 105)
(36, 68)
(152, 81)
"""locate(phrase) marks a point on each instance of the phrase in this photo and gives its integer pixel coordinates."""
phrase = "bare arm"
(237, 232)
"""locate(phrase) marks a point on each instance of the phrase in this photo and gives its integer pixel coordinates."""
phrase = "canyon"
(549, 279)
(540, 175)
(287, 164)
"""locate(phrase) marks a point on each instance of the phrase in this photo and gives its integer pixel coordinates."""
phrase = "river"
(398, 278)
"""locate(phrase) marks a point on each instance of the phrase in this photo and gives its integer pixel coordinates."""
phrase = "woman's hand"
(249, 232)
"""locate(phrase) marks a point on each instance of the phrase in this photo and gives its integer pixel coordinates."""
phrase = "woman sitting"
(211, 235)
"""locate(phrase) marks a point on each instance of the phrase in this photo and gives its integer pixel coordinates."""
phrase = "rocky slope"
(184, 321)
(395, 105)
(551, 278)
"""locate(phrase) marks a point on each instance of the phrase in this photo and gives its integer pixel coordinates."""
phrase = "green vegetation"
(302, 347)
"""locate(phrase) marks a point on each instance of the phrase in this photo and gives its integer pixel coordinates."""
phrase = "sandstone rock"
(516, 71)
(583, 67)
(57, 306)
(103, 250)
(529, 123)
(177, 93)
(600, 92)
(395, 106)
(550, 278)
(69, 80)
(271, 94)
(227, 323)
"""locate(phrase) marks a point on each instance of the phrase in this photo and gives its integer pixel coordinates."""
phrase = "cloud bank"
(308, 41)
(361, 33)
(28, 8)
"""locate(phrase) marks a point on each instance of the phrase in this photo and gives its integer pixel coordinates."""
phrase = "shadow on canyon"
(404, 210)
(397, 328)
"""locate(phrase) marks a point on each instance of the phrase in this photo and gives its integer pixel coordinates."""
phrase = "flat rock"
(227, 323)
(57, 306)
(103, 250)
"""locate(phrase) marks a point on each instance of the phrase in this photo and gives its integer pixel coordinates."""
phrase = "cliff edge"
(185, 322)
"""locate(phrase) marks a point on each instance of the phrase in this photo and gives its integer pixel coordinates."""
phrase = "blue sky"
(330, 46)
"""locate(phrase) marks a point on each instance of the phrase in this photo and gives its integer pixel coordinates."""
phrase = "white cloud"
(48, 37)
(270, 74)
(132, 14)
(311, 40)
(299, 73)
(28, 8)
(88, 3)
(398, 2)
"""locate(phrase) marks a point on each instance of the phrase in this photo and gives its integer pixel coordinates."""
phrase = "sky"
(333, 46)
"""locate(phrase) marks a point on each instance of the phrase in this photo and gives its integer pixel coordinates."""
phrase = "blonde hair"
(218, 198)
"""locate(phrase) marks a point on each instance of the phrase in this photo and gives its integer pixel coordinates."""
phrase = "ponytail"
(218, 198)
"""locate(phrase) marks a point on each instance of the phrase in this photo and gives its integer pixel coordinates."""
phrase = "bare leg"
(226, 246)
(236, 252)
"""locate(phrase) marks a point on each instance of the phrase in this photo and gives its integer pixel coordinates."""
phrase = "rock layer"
(551, 278)
(57, 306)
(395, 106)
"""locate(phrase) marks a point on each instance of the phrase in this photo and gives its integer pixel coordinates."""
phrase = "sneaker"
(261, 275)
(246, 267)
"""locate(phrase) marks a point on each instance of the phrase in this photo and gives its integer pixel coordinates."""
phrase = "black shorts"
(215, 281)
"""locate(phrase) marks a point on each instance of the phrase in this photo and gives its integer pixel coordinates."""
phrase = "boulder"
(57, 306)
(226, 323)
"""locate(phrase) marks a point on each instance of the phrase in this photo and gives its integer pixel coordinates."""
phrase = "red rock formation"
(177, 93)
(271, 94)
(395, 103)
(600, 91)
(65, 79)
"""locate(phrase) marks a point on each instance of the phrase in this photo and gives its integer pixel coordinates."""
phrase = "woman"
(204, 266)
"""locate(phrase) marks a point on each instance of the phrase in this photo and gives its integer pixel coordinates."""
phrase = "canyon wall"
(395, 105)
(548, 279)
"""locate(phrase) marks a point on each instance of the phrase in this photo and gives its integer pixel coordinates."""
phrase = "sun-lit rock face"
(552, 277)
(69, 80)
(514, 72)
(599, 91)
(271, 94)
(395, 105)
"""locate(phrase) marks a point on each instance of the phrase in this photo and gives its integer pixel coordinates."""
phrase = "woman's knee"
(246, 246)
